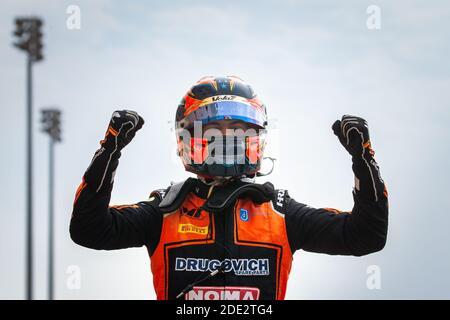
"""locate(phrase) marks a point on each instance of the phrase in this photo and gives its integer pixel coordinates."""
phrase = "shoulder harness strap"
(170, 199)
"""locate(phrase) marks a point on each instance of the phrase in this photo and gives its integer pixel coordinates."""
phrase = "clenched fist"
(353, 133)
(121, 130)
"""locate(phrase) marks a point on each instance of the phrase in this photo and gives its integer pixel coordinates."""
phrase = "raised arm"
(359, 232)
(94, 223)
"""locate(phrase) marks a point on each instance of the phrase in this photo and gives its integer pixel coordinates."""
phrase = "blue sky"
(310, 61)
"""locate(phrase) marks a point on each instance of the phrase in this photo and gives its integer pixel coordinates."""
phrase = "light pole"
(28, 31)
(51, 120)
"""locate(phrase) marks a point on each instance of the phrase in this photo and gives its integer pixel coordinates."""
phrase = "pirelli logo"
(190, 228)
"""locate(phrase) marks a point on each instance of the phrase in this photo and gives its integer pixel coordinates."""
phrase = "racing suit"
(247, 231)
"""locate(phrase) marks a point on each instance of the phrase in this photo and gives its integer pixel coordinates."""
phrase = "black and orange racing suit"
(247, 231)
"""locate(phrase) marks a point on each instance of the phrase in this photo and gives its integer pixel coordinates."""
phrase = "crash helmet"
(235, 154)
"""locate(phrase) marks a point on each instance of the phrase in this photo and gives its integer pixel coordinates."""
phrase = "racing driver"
(221, 235)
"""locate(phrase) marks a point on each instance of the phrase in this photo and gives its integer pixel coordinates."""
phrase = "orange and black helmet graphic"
(227, 97)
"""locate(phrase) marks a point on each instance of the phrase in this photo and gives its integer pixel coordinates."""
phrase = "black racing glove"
(353, 133)
(121, 130)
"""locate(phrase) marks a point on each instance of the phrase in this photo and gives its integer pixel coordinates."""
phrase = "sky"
(309, 61)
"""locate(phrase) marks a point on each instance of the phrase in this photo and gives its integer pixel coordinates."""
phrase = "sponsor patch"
(223, 97)
(243, 214)
(240, 267)
(190, 228)
(223, 293)
(280, 197)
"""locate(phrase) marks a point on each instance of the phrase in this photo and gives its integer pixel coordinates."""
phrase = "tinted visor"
(226, 110)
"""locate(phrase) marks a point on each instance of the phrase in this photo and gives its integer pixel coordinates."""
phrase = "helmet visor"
(226, 110)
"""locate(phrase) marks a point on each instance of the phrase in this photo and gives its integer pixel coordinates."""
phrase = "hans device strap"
(172, 198)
